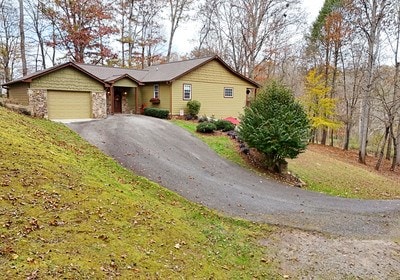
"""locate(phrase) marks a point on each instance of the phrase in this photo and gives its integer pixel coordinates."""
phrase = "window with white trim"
(228, 92)
(156, 91)
(187, 91)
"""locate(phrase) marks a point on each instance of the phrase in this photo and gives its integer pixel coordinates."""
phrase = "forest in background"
(344, 67)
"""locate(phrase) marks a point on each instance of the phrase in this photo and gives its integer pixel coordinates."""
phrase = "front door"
(117, 102)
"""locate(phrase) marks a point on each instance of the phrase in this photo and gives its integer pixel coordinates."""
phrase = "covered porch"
(123, 97)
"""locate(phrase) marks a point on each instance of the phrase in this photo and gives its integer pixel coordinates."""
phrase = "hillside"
(68, 211)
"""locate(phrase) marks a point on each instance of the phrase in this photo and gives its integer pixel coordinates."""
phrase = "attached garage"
(69, 105)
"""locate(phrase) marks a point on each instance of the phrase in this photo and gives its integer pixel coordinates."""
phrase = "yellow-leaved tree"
(320, 107)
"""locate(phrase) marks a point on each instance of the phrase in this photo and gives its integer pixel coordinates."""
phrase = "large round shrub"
(276, 125)
(206, 127)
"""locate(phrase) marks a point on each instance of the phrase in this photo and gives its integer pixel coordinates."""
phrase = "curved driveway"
(174, 158)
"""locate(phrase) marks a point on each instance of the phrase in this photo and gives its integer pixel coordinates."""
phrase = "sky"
(312, 7)
(183, 43)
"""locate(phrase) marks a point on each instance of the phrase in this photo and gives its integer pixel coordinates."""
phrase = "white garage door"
(68, 105)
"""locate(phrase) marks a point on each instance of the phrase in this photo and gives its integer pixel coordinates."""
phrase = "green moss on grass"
(68, 211)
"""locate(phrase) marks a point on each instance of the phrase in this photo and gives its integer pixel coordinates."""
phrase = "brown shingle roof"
(157, 73)
(173, 70)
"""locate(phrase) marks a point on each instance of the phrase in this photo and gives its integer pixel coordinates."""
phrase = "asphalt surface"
(177, 160)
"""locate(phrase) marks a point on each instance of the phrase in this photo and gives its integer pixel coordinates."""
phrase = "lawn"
(220, 143)
(333, 171)
(68, 211)
(324, 169)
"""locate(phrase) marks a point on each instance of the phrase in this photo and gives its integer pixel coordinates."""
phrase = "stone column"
(38, 101)
(125, 108)
(99, 105)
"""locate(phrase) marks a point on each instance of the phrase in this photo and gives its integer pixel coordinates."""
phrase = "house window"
(228, 92)
(156, 91)
(187, 92)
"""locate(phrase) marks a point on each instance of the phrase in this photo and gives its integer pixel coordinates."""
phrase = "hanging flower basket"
(155, 101)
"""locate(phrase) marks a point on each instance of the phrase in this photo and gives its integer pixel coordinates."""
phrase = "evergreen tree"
(276, 125)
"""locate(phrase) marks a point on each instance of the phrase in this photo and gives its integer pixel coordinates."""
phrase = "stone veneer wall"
(99, 105)
(125, 108)
(108, 102)
(38, 101)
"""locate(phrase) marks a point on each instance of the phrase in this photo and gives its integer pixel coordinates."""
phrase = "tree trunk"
(22, 38)
(347, 137)
(372, 34)
(396, 147)
(389, 149)
(324, 136)
(382, 151)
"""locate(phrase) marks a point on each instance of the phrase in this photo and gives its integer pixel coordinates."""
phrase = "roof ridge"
(182, 61)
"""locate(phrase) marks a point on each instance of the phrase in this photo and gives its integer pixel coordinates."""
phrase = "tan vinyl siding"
(68, 105)
(208, 84)
(67, 79)
(19, 93)
(125, 82)
(147, 92)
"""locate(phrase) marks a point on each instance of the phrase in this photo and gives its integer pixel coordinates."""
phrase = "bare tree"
(370, 15)
(352, 80)
(177, 14)
(9, 43)
(249, 34)
(37, 30)
(394, 42)
(140, 32)
(388, 108)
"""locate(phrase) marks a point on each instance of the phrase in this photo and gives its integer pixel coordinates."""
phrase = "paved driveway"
(179, 161)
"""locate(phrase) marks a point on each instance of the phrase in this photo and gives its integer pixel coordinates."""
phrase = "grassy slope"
(319, 170)
(326, 174)
(68, 211)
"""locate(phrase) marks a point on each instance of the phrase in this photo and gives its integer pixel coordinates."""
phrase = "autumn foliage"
(82, 28)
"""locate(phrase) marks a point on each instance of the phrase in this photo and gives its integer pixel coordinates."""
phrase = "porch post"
(112, 99)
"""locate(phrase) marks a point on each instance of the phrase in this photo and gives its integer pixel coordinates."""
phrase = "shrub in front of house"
(193, 108)
(203, 118)
(206, 127)
(156, 112)
(224, 125)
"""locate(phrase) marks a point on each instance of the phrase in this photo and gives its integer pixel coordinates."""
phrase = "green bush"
(156, 112)
(206, 127)
(193, 107)
(224, 125)
(276, 125)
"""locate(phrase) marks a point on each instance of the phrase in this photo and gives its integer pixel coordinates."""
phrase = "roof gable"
(173, 70)
(28, 78)
(112, 74)
(169, 72)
